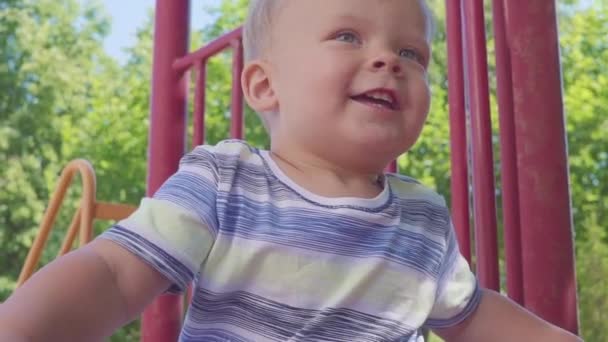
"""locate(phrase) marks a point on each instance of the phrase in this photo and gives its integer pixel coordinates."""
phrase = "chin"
(383, 146)
(373, 156)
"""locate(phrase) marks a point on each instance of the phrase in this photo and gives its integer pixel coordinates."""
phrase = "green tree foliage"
(229, 15)
(49, 54)
(584, 42)
(62, 97)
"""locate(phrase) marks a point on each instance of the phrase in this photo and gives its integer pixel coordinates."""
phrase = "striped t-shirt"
(271, 261)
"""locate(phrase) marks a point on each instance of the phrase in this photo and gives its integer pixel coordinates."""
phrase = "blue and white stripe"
(273, 262)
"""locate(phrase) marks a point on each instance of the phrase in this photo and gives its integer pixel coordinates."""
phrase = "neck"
(323, 177)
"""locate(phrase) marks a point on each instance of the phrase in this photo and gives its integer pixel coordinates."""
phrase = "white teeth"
(378, 95)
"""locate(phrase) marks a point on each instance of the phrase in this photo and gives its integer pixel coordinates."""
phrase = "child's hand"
(499, 319)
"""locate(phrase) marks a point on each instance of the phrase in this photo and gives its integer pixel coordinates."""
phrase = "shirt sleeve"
(458, 292)
(175, 229)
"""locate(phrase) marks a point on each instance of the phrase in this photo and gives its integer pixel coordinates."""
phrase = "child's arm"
(83, 296)
(499, 319)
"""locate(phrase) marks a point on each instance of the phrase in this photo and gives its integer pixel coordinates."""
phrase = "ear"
(257, 87)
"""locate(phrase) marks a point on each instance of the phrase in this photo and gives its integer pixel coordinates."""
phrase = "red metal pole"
(458, 128)
(545, 214)
(483, 162)
(392, 167)
(161, 321)
(200, 93)
(510, 193)
(211, 49)
(236, 121)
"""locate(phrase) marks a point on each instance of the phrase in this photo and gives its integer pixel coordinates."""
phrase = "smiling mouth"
(379, 98)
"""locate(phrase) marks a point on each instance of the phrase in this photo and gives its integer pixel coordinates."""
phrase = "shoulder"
(226, 148)
(420, 206)
(408, 188)
(223, 154)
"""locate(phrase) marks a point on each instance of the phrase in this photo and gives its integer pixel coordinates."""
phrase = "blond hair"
(257, 28)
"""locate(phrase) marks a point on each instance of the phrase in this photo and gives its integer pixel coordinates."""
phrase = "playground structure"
(535, 190)
(82, 221)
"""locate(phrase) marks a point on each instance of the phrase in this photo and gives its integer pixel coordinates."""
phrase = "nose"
(386, 61)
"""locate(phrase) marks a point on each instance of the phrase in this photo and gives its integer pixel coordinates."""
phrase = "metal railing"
(82, 221)
(533, 157)
(197, 60)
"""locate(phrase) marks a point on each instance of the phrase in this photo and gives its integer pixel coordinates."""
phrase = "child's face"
(350, 77)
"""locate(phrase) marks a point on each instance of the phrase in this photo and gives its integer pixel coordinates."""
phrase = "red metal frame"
(458, 128)
(161, 321)
(486, 241)
(536, 199)
(535, 193)
(199, 60)
(200, 96)
(508, 157)
(542, 172)
(236, 106)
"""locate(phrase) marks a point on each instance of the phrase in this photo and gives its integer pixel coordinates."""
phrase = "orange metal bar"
(86, 213)
(82, 221)
(68, 241)
(112, 211)
(103, 211)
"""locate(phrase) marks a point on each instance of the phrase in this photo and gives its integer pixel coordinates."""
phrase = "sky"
(128, 15)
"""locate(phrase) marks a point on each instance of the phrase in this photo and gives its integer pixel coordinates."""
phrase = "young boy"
(309, 241)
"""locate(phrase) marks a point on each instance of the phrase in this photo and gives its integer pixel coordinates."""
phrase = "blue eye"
(411, 54)
(348, 37)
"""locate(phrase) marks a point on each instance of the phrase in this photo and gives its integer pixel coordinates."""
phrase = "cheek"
(327, 70)
(420, 99)
(421, 95)
(318, 91)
